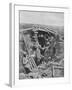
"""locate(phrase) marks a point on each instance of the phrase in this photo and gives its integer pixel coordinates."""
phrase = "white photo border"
(15, 47)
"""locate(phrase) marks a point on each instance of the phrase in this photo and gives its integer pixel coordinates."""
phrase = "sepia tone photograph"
(41, 44)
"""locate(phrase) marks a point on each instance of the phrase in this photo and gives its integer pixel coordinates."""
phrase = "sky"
(46, 18)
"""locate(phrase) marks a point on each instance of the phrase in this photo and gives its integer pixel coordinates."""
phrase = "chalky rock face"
(41, 52)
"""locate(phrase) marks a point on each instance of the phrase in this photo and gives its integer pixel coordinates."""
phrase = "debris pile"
(41, 53)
